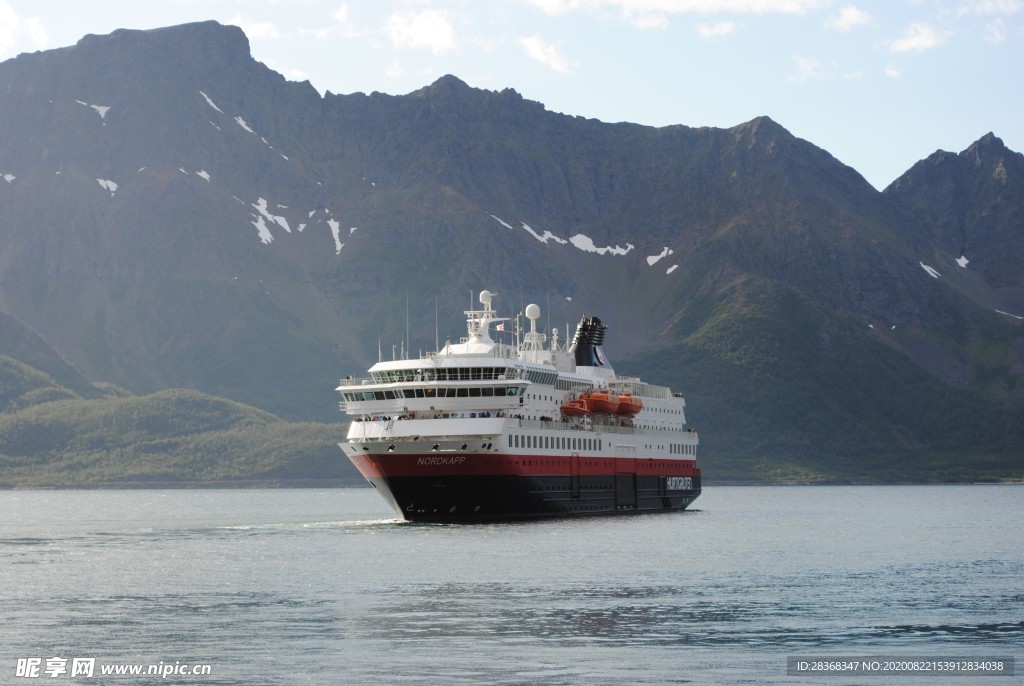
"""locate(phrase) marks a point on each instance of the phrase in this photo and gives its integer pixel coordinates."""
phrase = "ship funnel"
(587, 343)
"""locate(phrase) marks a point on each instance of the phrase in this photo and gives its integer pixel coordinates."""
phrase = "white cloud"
(918, 38)
(632, 8)
(1004, 7)
(995, 31)
(809, 69)
(340, 25)
(428, 28)
(645, 14)
(256, 29)
(18, 32)
(544, 53)
(848, 19)
(651, 20)
(722, 28)
(395, 70)
(892, 72)
(290, 73)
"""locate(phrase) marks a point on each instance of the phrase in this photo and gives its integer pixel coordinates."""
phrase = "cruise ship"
(484, 430)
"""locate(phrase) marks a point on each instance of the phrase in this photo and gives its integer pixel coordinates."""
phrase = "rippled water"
(307, 586)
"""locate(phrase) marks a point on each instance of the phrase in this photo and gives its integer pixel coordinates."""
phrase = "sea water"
(326, 586)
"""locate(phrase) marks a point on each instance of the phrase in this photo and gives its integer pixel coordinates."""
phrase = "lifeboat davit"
(601, 401)
(629, 404)
(576, 408)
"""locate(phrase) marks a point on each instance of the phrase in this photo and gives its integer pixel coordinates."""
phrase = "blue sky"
(879, 85)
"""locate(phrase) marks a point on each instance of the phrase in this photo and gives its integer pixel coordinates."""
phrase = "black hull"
(464, 499)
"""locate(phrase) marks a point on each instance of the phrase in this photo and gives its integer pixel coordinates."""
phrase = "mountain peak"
(763, 129)
(447, 85)
(761, 125)
(449, 82)
(989, 149)
(988, 141)
(181, 37)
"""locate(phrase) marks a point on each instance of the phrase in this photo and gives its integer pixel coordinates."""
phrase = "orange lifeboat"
(629, 405)
(576, 408)
(601, 401)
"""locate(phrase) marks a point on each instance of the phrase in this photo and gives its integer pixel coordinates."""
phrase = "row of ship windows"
(441, 374)
(464, 374)
(429, 393)
(554, 442)
(573, 443)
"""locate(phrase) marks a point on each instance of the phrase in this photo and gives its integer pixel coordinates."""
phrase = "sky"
(879, 85)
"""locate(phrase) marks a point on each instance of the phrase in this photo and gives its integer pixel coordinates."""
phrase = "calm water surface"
(325, 586)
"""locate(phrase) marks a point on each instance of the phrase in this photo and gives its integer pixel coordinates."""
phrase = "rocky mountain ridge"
(178, 215)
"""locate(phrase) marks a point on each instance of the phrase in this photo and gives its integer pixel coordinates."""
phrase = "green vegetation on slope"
(49, 437)
(802, 402)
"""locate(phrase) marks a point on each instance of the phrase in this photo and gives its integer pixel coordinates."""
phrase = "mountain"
(177, 215)
(970, 210)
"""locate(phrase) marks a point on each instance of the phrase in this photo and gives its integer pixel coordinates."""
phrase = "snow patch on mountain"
(586, 244)
(100, 109)
(931, 272)
(543, 238)
(263, 219)
(203, 174)
(263, 216)
(262, 207)
(962, 261)
(672, 269)
(240, 121)
(261, 227)
(653, 259)
(335, 226)
(108, 185)
(8, 177)
(503, 223)
(210, 102)
(336, 232)
(579, 241)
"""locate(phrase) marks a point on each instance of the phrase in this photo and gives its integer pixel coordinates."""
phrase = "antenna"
(547, 311)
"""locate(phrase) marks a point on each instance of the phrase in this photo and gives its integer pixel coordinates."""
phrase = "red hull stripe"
(376, 465)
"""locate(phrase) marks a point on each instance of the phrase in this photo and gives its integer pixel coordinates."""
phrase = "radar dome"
(532, 311)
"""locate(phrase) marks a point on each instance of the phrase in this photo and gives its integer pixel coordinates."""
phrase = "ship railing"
(555, 425)
(638, 388)
(384, 423)
(499, 350)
